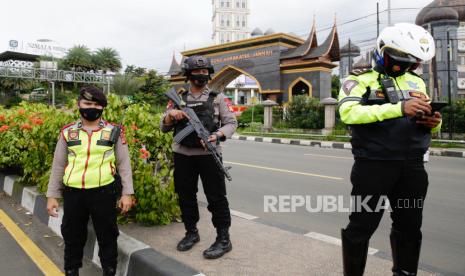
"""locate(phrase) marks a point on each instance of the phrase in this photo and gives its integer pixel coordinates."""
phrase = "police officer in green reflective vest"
(391, 121)
(88, 155)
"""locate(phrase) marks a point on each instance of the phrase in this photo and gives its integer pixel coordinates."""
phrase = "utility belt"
(111, 188)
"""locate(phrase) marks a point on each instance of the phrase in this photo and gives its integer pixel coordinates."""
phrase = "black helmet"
(196, 62)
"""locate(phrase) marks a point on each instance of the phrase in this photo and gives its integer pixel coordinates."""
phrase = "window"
(238, 4)
(222, 4)
(238, 23)
(228, 20)
(222, 20)
(222, 37)
(227, 3)
(243, 21)
(243, 4)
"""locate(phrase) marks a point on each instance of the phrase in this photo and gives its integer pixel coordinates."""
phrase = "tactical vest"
(394, 139)
(91, 157)
(205, 110)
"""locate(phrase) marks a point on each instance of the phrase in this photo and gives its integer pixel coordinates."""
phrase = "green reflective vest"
(91, 157)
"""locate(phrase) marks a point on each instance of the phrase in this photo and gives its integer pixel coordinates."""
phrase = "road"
(28, 247)
(261, 169)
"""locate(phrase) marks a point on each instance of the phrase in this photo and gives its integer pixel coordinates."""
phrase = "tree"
(135, 71)
(107, 59)
(79, 58)
(335, 85)
(156, 85)
(125, 85)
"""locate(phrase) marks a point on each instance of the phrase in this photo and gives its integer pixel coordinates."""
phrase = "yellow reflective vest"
(91, 157)
(379, 129)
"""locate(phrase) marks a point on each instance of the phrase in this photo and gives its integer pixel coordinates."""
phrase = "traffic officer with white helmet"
(391, 120)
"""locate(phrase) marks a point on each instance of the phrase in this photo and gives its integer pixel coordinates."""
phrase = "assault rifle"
(196, 125)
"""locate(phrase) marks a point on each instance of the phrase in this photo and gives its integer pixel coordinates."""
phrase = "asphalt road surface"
(261, 169)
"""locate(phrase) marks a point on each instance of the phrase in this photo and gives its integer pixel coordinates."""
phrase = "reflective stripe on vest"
(91, 157)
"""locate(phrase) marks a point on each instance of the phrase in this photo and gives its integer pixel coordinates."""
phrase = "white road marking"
(285, 171)
(333, 240)
(242, 215)
(329, 156)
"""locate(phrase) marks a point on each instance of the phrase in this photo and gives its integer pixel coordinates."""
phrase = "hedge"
(29, 132)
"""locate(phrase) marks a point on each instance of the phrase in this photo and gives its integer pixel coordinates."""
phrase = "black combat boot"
(192, 237)
(354, 256)
(109, 271)
(72, 272)
(405, 254)
(221, 246)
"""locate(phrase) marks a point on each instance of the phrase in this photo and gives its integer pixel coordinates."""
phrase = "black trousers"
(100, 205)
(187, 170)
(404, 183)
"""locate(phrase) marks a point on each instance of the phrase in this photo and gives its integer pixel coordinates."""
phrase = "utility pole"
(449, 92)
(389, 13)
(377, 19)
(350, 56)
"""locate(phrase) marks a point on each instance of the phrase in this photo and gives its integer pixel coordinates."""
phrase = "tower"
(230, 20)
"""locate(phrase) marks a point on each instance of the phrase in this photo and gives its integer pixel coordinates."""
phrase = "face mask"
(200, 80)
(395, 68)
(91, 114)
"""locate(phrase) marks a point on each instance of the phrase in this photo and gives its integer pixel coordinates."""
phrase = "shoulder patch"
(348, 85)
(358, 72)
(68, 125)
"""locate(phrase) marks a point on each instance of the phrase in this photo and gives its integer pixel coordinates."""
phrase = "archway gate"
(277, 62)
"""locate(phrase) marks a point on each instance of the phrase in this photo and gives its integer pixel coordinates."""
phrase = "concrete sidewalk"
(449, 152)
(258, 249)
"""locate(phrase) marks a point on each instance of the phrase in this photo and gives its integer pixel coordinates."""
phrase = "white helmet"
(406, 42)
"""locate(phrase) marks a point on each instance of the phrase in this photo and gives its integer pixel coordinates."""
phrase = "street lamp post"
(449, 92)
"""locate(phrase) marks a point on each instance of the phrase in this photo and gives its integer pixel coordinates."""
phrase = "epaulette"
(67, 125)
(415, 74)
(358, 72)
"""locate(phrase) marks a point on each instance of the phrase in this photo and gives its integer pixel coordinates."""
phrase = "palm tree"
(107, 59)
(79, 58)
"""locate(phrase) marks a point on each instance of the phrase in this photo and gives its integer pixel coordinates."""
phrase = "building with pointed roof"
(175, 68)
(282, 65)
(442, 17)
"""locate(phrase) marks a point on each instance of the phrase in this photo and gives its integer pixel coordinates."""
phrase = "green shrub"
(305, 112)
(458, 109)
(246, 116)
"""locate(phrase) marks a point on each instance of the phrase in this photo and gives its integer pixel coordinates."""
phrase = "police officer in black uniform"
(191, 160)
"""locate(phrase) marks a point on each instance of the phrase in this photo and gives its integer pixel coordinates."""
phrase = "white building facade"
(230, 20)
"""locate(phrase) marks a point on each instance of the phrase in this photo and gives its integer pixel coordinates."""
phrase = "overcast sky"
(146, 32)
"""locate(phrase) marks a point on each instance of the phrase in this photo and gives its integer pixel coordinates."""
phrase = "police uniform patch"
(348, 85)
(417, 94)
(379, 94)
(105, 135)
(73, 134)
(412, 84)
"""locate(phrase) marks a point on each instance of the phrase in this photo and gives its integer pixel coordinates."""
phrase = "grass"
(332, 137)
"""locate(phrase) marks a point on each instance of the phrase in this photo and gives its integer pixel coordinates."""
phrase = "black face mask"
(396, 68)
(91, 114)
(200, 80)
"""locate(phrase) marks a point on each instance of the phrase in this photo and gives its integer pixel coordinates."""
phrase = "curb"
(134, 256)
(333, 145)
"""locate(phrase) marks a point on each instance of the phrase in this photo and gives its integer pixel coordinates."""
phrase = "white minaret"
(230, 20)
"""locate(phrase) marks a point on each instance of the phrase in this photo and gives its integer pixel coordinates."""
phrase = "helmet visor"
(400, 56)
